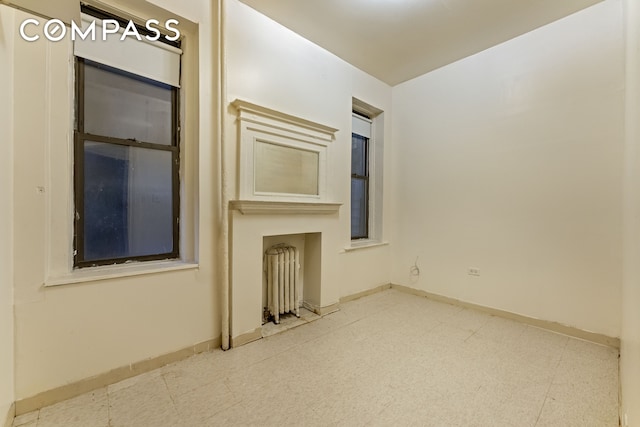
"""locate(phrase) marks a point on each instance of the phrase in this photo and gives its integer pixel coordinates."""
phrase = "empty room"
(319, 213)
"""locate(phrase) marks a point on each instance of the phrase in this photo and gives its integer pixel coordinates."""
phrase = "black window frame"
(364, 178)
(80, 137)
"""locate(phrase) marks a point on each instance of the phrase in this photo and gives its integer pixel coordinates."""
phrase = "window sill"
(364, 244)
(93, 274)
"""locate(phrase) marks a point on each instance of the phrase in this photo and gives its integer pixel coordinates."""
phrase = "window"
(127, 162)
(360, 176)
(367, 167)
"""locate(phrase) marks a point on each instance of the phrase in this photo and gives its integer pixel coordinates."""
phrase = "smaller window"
(360, 141)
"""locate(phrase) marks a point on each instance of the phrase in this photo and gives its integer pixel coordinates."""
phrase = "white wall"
(271, 66)
(71, 332)
(630, 342)
(6, 214)
(510, 161)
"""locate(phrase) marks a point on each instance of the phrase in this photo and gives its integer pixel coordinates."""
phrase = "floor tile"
(133, 381)
(87, 409)
(501, 330)
(467, 319)
(585, 349)
(202, 404)
(568, 414)
(192, 373)
(145, 404)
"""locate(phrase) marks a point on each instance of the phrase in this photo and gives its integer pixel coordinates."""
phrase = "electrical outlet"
(625, 420)
(473, 271)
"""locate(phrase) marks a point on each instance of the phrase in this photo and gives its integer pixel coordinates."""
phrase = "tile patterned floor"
(385, 360)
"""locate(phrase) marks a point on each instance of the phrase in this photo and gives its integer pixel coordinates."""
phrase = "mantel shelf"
(262, 207)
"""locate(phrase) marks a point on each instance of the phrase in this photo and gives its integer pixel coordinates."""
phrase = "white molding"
(262, 207)
(311, 132)
(260, 125)
(364, 108)
(364, 244)
(105, 272)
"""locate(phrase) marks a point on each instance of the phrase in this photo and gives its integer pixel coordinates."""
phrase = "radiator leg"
(274, 288)
(292, 280)
(285, 273)
(281, 281)
(296, 275)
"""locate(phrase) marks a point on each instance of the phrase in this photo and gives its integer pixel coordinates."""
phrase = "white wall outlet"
(473, 271)
(625, 420)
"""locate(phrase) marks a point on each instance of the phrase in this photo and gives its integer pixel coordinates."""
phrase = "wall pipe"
(224, 214)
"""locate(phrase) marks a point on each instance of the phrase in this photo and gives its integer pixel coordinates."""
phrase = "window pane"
(358, 155)
(128, 206)
(359, 202)
(121, 105)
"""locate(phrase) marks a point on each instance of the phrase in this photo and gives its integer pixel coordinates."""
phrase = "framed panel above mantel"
(283, 158)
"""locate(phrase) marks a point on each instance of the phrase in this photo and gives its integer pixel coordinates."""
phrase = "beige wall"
(268, 65)
(630, 342)
(6, 214)
(71, 332)
(510, 161)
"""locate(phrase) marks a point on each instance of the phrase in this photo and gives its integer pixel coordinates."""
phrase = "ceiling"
(397, 40)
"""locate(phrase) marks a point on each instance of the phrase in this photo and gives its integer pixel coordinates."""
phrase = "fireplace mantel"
(262, 207)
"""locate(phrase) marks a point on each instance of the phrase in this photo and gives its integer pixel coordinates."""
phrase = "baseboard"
(246, 338)
(366, 293)
(8, 422)
(321, 311)
(69, 391)
(543, 324)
